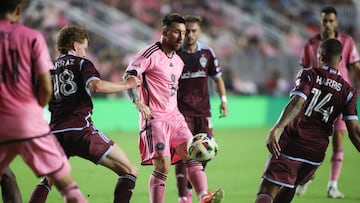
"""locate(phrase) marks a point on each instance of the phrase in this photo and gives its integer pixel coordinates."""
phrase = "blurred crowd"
(252, 62)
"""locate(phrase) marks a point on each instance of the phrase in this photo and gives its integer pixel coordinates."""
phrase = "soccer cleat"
(334, 193)
(215, 197)
(301, 189)
(187, 199)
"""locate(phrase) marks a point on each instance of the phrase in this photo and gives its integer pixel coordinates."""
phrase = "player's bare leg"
(9, 188)
(336, 164)
(267, 192)
(284, 195)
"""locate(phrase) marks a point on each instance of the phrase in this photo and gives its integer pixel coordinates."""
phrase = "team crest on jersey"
(203, 61)
(160, 146)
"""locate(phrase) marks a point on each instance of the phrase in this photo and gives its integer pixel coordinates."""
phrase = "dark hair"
(172, 17)
(68, 35)
(193, 19)
(8, 5)
(328, 10)
(331, 47)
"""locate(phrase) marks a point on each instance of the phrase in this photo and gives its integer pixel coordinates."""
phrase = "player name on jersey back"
(62, 63)
(329, 82)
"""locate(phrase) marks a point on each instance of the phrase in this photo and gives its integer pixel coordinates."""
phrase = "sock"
(263, 198)
(285, 195)
(71, 193)
(40, 192)
(336, 163)
(157, 187)
(197, 177)
(181, 179)
(124, 188)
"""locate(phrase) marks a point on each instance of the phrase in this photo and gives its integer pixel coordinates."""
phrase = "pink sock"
(196, 176)
(336, 163)
(157, 187)
(71, 193)
(263, 198)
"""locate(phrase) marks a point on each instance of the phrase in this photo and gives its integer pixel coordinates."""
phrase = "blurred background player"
(25, 88)
(163, 130)
(350, 59)
(75, 78)
(193, 93)
(320, 95)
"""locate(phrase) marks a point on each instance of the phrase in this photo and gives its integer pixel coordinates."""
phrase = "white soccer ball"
(202, 147)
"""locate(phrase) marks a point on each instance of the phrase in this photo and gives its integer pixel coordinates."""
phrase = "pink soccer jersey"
(160, 76)
(350, 54)
(23, 56)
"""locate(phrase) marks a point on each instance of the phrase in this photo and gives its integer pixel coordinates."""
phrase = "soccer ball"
(202, 147)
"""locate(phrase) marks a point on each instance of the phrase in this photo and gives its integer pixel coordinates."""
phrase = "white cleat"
(334, 193)
(301, 189)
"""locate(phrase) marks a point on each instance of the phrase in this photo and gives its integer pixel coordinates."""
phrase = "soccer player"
(163, 130)
(74, 78)
(25, 88)
(193, 93)
(9, 189)
(350, 58)
(319, 96)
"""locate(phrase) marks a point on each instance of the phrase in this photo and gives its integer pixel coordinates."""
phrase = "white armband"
(223, 99)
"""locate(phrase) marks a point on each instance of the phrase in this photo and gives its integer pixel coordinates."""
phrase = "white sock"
(332, 184)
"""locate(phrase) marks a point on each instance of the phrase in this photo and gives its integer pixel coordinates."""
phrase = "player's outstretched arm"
(43, 88)
(354, 132)
(103, 86)
(290, 111)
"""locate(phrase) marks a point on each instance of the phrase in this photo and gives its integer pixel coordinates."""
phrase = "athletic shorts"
(42, 154)
(89, 143)
(289, 172)
(199, 125)
(340, 124)
(160, 138)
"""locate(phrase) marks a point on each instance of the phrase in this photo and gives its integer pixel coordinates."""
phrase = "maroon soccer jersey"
(193, 93)
(327, 95)
(71, 105)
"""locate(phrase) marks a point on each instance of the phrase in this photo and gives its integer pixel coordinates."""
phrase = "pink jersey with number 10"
(349, 54)
(23, 56)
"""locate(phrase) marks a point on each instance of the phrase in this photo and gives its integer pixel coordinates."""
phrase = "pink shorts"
(43, 155)
(160, 138)
(288, 172)
(340, 124)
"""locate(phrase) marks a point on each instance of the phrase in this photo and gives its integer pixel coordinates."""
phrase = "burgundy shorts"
(289, 172)
(199, 125)
(89, 143)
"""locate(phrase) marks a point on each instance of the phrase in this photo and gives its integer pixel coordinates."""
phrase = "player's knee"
(162, 164)
(134, 170)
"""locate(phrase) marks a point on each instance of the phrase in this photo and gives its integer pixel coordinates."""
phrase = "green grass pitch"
(237, 169)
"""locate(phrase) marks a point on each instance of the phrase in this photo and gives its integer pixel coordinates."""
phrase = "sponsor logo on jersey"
(203, 61)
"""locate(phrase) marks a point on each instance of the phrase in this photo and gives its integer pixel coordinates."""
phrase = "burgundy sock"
(124, 188)
(40, 192)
